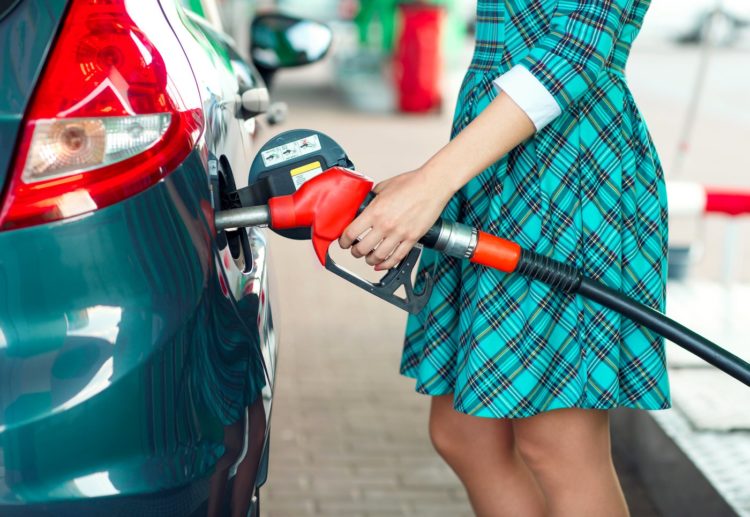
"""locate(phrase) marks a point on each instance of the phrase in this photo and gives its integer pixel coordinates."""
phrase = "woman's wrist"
(440, 178)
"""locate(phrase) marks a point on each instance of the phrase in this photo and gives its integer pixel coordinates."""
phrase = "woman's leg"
(569, 451)
(481, 453)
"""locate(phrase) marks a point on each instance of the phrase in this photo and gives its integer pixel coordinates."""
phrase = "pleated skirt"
(588, 190)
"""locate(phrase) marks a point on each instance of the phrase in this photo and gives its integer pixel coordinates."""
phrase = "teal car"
(137, 346)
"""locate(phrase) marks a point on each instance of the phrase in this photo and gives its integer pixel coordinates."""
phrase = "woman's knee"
(458, 437)
(537, 452)
(563, 440)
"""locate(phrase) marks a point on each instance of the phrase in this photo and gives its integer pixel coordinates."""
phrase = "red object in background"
(418, 57)
(727, 201)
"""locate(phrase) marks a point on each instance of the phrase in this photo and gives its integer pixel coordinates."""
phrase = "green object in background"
(194, 5)
(285, 41)
(385, 11)
(454, 28)
(385, 14)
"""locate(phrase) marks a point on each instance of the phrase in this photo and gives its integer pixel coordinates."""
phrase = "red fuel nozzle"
(327, 203)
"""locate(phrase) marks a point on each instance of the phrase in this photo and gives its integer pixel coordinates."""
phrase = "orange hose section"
(496, 253)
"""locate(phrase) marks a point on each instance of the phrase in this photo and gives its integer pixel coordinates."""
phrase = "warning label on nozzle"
(290, 151)
(304, 173)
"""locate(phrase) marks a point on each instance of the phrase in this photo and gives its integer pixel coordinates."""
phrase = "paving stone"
(331, 507)
(710, 399)
(291, 507)
(415, 496)
(345, 484)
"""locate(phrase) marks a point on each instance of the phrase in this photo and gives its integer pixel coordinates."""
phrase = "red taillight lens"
(116, 109)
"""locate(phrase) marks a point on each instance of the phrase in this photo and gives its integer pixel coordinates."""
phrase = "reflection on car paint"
(97, 484)
(254, 382)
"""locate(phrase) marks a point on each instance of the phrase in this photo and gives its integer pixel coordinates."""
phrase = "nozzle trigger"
(386, 288)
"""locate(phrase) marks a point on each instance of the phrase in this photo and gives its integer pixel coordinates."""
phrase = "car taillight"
(116, 109)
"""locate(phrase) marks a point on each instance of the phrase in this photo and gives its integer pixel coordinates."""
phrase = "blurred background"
(349, 435)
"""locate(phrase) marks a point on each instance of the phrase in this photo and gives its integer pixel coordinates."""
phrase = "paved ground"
(348, 433)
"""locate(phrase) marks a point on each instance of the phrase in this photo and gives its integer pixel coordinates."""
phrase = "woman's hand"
(406, 206)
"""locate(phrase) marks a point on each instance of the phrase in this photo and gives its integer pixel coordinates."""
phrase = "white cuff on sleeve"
(530, 95)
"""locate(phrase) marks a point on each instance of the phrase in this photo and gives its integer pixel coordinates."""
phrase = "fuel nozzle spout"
(242, 217)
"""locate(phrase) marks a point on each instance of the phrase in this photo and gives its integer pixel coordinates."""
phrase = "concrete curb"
(675, 485)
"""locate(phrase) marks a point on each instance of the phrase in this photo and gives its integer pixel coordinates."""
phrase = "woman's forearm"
(498, 129)
(407, 205)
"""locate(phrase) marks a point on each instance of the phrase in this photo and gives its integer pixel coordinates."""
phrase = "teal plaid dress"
(587, 189)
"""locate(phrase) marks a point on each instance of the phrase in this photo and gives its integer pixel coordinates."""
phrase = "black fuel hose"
(668, 328)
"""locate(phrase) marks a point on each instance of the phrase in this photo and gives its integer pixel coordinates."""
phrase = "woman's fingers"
(355, 230)
(399, 254)
(403, 210)
(384, 250)
(368, 243)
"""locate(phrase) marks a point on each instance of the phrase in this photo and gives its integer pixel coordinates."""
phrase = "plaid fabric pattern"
(587, 189)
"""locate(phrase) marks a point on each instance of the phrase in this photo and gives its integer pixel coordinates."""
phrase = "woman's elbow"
(568, 80)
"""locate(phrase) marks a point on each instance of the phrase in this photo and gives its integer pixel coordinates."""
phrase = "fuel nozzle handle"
(329, 202)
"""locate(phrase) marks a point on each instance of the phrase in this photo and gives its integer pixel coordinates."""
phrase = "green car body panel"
(130, 336)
